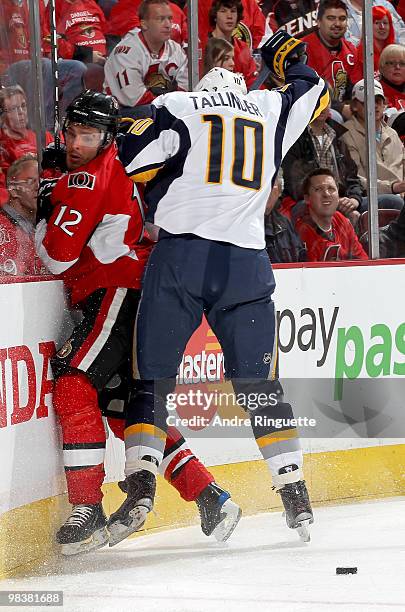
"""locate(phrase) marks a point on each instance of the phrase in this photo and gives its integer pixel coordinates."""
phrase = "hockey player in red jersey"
(92, 235)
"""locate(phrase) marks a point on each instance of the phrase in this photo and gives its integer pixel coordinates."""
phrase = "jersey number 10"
(241, 153)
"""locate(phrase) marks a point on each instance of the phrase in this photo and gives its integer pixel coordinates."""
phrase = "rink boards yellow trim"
(26, 533)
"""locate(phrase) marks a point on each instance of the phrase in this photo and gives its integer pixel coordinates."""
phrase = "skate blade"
(226, 527)
(303, 527)
(94, 542)
(303, 531)
(119, 531)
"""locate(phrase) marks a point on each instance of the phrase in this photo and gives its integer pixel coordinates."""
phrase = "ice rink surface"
(263, 567)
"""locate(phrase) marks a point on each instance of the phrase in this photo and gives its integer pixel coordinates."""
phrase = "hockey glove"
(44, 204)
(281, 51)
(54, 159)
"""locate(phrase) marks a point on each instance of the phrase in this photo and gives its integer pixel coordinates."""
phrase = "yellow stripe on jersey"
(275, 358)
(214, 158)
(145, 176)
(322, 104)
(144, 428)
(135, 126)
(139, 126)
(276, 436)
(126, 122)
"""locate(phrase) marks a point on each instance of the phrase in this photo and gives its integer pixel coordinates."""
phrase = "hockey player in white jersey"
(147, 63)
(210, 158)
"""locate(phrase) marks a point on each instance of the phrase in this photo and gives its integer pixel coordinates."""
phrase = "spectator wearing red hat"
(383, 35)
(355, 20)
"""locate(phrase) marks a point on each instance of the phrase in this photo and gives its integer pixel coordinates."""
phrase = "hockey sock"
(145, 428)
(75, 402)
(182, 468)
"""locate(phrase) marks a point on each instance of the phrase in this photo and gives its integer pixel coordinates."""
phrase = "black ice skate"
(298, 511)
(84, 530)
(219, 514)
(131, 515)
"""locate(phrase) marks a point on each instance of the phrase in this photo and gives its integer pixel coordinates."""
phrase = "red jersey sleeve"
(76, 213)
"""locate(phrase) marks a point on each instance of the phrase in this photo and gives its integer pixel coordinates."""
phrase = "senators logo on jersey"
(82, 180)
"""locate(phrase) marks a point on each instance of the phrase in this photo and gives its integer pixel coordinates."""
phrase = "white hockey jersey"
(131, 68)
(210, 159)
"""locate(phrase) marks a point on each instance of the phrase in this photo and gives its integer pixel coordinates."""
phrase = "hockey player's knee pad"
(73, 394)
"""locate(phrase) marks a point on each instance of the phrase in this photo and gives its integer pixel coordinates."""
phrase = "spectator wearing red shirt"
(331, 55)
(17, 220)
(392, 75)
(326, 233)
(81, 27)
(383, 35)
(224, 16)
(251, 29)
(124, 17)
(16, 139)
(15, 62)
(15, 42)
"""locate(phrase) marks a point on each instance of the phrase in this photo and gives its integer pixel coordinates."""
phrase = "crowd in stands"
(137, 50)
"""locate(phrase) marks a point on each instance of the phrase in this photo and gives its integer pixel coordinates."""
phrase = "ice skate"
(298, 511)
(84, 530)
(131, 515)
(219, 514)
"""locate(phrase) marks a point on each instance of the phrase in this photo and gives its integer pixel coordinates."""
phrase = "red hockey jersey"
(93, 236)
(341, 240)
(339, 67)
(14, 22)
(80, 23)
